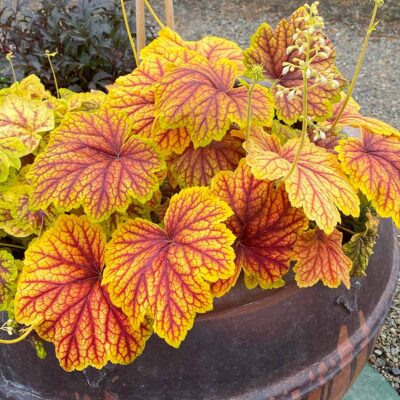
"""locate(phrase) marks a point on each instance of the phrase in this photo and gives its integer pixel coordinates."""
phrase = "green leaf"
(361, 246)
(8, 281)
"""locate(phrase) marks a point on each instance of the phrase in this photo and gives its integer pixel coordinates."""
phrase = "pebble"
(395, 371)
(379, 363)
(378, 352)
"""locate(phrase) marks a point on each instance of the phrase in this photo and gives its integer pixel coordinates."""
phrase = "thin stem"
(128, 30)
(155, 16)
(249, 110)
(53, 72)
(371, 28)
(15, 246)
(305, 110)
(9, 58)
(18, 339)
(346, 230)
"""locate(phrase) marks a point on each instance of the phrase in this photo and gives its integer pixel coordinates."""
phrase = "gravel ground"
(376, 91)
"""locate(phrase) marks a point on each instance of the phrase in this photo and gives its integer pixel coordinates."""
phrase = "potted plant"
(204, 173)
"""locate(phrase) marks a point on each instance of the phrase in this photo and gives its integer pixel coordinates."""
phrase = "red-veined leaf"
(202, 97)
(373, 164)
(59, 293)
(320, 257)
(265, 224)
(270, 48)
(317, 183)
(93, 161)
(164, 273)
(196, 167)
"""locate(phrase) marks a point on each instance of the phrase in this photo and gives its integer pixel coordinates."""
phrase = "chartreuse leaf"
(164, 273)
(196, 167)
(8, 278)
(25, 120)
(93, 161)
(373, 164)
(320, 257)
(317, 183)
(265, 224)
(11, 150)
(211, 47)
(70, 101)
(20, 220)
(29, 88)
(59, 293)
(202, 97)
(361, 245)
(134, 94)
(271, 49)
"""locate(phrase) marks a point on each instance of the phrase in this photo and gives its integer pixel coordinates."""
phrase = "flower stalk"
(371, 28)
(49, 55)
(128, 31)
(26, 333)
(9, 58)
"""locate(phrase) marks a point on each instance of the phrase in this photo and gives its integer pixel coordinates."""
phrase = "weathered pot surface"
(289, 343)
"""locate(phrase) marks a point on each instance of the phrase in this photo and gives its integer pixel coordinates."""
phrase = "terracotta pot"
(285, 344)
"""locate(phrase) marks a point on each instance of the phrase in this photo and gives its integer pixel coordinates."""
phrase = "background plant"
(88, 35)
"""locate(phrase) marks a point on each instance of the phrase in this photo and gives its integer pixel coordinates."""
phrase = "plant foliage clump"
(132, 211)
(88, 36)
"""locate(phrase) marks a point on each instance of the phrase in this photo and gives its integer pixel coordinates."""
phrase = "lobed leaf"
(269, 48)
(18, 218)
(317, 183)
(134, 94)
(202, 97)
(373, 164)
(60, 294)
(24, 120)
(93, 161)
(320, 257)
(211, 47)
(265, 224)
(164, 273)
(361, 245)
(8, 277)
(196, 167)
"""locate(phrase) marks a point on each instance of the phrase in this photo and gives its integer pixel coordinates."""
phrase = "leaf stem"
(15, 246)
(346, 230)
(249, 111)
(18, 339)
(371, 28)
(128, 31)
(155, 16)
(48, 55)
(305, 110)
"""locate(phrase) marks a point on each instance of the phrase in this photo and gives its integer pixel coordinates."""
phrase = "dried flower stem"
(371, 28)
(128, 30)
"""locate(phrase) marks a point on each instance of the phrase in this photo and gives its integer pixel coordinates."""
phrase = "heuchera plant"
(133, 210)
